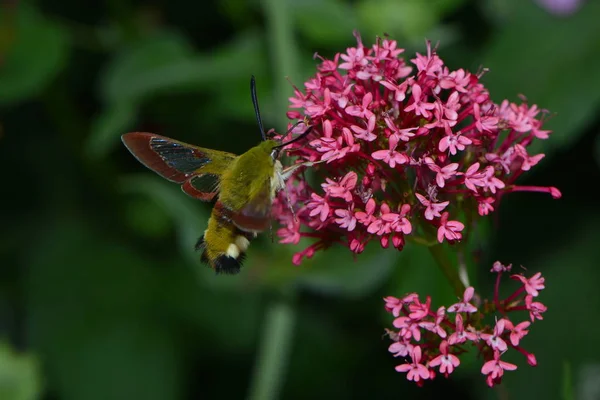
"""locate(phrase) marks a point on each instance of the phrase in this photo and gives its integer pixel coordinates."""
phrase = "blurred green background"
(101, 293)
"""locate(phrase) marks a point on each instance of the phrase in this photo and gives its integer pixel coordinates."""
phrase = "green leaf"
(93, 318)
(114, 121)
(411, 19)
(20, 375)
(37, 50)
(141, 67)
(328, 23)
(167, 62)
(552, 61)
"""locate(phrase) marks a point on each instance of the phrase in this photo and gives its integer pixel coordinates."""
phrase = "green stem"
(274, 352)
(273, 356)
(449, 270)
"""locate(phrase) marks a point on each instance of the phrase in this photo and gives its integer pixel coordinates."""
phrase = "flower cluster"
(403, 150)
(431, 340)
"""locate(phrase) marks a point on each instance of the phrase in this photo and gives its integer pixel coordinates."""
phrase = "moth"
(244, 186)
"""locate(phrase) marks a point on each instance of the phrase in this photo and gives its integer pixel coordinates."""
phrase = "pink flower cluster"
(404, 150)
(431, 340)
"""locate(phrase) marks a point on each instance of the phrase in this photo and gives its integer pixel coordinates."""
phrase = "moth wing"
(255, 215)
(197, 169)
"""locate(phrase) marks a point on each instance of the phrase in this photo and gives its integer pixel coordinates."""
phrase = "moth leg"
(290, 205)
(287, 172)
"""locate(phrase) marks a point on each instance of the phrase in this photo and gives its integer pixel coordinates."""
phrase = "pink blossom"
(361, 111)
(446, 361)
(399, 222)
(405, 133)
(354, 58)
(484, 205)
(535, 308)
(401, 348)
(289, 234)
(450, 230)
(365, 134)
(318, 206)
(432, 209)
(346, 219)
(495, 340)
(419, 107)
(495, 368)
(443, 173)
(460, 335)
(474, 177)
(454, 142)
(391, 156)
(443, 341)
(484, 123)
(434, 326)
(416, 370)
(499, 267)
(465, 305)
(532, 285)
(343, 188)
(517, 332)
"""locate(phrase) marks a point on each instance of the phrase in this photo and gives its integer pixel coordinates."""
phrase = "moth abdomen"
(223, 245)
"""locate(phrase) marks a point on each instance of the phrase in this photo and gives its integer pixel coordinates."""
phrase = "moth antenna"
(301, 136)
(256, 109)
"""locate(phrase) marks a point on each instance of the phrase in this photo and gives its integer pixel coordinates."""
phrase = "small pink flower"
(435, 326)
(495, 368)
(442, 173)
(484, 205)
(409, 328)
(460, 334)
(318, 206)
(343, 188)
(416, 370)
(449, 229)
(464, 305)
(419, 107)
(517, 332)
(289, 234)
(399, 222)
(495, 340)
(391, 156)
(401, 348)
(361, 111)
(499, 267)
(532, 285)
(474, 177)
(346, 219)
(366, 217)
(432, 209)
(535, 308)
(446, 361)
(419, 310)
(365, 134)
(484, 123)
(454, 143)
